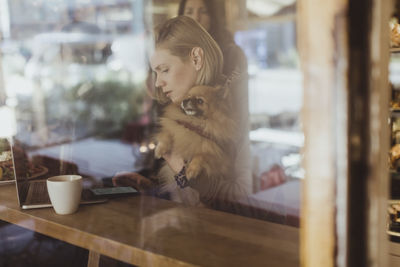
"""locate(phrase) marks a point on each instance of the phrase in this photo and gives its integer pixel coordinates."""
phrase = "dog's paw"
(193, 170)
(160, 150)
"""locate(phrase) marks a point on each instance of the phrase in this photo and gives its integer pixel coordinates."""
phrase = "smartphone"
(114, 191)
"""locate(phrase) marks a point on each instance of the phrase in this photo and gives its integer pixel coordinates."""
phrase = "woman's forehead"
(162, 56)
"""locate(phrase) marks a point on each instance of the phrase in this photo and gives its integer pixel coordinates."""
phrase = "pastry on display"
(395, 156)
(395, 99)
(6, 170)
(394, 33)
(6, 164)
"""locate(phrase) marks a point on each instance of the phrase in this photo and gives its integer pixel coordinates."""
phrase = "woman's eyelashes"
(158, 72)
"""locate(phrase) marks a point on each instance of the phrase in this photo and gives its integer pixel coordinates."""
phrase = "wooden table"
(148, 231)
(394, 253)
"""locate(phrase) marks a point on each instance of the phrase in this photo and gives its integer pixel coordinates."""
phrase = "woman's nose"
(159, 82)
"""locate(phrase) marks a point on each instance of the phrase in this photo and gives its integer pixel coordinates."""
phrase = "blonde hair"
(179, 36)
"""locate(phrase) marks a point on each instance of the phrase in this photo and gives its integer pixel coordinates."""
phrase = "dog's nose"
(185, 102)
(189, 103)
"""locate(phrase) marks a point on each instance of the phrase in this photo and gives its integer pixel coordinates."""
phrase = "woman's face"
(174, 76)
(197, 10)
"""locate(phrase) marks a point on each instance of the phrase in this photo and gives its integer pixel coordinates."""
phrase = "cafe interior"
(321, 94)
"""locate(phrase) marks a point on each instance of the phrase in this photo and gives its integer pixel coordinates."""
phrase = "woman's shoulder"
(234, 58)
(228, 44)
(235, 51)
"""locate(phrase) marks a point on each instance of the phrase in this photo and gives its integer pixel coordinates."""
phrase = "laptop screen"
(21, 167)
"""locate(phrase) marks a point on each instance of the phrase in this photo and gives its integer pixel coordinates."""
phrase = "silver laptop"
(33, 194)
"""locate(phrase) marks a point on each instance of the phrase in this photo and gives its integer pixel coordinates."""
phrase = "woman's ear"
(197, 56)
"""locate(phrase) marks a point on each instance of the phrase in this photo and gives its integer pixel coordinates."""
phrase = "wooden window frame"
(344, 48)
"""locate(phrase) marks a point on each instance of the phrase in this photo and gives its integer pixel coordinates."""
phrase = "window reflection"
(76, 70)
(79, 80)
(275, 101)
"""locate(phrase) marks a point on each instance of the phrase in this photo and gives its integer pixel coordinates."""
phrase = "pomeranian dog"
(200, 130)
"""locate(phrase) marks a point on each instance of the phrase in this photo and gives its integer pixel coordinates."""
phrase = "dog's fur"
(201, 131)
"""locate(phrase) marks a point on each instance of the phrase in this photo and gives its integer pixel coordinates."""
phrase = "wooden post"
(323, 48)
(379, 135)
(94, 259)
(344, 47)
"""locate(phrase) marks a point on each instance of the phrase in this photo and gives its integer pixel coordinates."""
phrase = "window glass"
(275, 101)
(77, 75)
(77, 84)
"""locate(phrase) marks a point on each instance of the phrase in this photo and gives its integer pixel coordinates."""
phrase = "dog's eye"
(199, 101)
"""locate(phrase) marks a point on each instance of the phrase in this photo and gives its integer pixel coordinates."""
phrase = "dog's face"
(200, 101)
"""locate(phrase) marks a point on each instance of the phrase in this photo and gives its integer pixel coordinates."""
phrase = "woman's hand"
(174, 161)
(134, 180)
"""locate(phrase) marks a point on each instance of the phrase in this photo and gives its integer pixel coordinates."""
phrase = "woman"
(205, 13)
(185, 55)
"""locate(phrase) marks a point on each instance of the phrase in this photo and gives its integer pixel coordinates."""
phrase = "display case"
(393, 220)
(394, 123)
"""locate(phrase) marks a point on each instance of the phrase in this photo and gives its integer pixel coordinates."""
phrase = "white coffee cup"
(65, 193)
